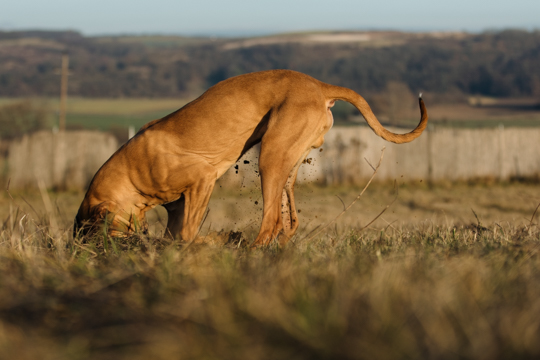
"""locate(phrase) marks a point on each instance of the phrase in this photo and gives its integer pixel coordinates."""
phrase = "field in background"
(107, 114)
(117, 115)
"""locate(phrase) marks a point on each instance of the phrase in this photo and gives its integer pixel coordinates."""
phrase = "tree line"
(503, 63)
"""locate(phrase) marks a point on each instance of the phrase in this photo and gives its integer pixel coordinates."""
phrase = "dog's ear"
(98, 212)
(101, 214)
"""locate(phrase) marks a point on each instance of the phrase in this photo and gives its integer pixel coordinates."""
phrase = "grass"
(112, 121)
(426, 289)
(109, 106)
(435, 292)
(108, 114)
(123, 106)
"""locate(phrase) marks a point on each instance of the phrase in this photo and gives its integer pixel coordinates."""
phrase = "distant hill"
(505, 63)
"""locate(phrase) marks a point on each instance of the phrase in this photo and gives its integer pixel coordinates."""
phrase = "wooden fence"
(69, 160)
(62, 160)
(438, 154)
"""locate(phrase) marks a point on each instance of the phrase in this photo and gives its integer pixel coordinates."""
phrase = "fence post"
(63, 92)
(131, 131)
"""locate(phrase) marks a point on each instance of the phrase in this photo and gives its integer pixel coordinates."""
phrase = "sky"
(259, 17)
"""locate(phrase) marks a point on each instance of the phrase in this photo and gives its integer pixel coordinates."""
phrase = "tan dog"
(175, 161)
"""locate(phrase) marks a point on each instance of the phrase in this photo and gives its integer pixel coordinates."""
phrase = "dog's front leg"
(196, 198)
(175, 217)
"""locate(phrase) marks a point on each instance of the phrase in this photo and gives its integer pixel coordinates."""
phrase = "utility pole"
(63, 92)
(59, 151)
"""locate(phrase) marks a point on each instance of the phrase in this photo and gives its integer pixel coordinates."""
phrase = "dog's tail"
(340, 93)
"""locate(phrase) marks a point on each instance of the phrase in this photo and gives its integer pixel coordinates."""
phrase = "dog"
(175, 161)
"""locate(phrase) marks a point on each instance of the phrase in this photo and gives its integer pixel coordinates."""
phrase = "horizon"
(248, 34)
(242, 18)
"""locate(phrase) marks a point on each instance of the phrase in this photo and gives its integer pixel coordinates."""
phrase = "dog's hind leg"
(278, 175)
(283, 148)
(288, 206)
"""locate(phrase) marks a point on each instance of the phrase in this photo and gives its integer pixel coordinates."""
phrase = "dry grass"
(426, 293)
(410, 290)
(417, 204)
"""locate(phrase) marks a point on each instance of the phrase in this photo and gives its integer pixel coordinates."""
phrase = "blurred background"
(77, 80)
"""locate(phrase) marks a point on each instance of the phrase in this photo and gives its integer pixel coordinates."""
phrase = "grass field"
(111, 122)
(413, 285)
(106, 114)
(111, 114)
(449, 271)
